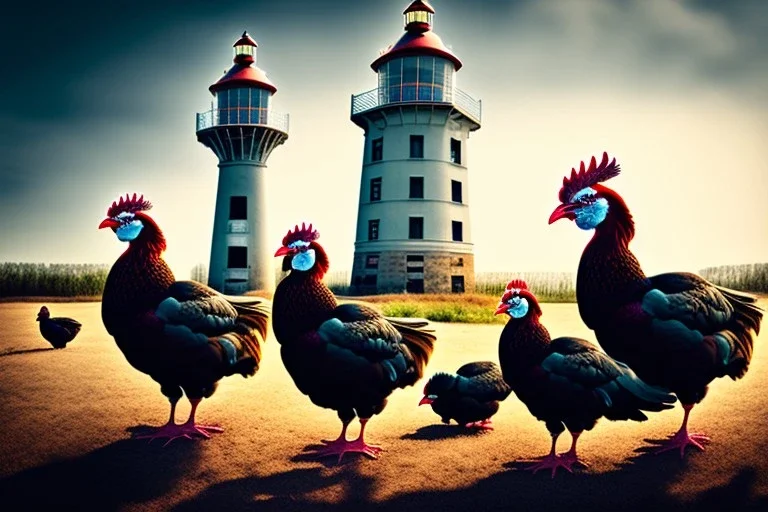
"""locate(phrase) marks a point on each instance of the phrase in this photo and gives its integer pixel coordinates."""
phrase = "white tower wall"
(249, 180)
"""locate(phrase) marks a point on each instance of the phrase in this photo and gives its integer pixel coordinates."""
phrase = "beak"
(283, 251)
(426, 400)
(503, 307)
(563, 211)
(109, 223)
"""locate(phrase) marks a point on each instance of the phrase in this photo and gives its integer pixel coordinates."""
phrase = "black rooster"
(344, 357)
(183, 334)
(470, 397)
(675, 330)
(566, 382)
(59, 330)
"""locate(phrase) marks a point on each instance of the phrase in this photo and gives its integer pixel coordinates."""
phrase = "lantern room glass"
(243, 106)
(423, 78)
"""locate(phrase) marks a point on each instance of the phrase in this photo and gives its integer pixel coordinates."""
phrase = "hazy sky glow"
(103, 102)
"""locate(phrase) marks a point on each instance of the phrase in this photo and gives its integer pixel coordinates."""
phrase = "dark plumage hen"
(344, 357)
(183, 334)
(675, 330)
(57, 331)
(566, 382)
(470, 397)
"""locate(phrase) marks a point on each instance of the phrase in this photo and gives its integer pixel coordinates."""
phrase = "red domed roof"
(244, 76)
(244, 73)
(417, 43)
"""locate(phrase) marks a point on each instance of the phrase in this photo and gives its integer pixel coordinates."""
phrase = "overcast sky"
(100, 101)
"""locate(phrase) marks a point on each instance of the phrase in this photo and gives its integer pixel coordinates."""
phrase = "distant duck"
(57, 331)
(470, 397)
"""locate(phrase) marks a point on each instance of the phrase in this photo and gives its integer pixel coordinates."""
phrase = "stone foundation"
(402, 271)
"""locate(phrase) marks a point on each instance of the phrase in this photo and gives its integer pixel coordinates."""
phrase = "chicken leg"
(340, 446)
(553, 460)
(681, 438)
(171, 430)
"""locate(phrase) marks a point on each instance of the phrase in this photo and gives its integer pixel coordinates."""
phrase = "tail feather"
(420, 340)
(747, 316)
(250, 332)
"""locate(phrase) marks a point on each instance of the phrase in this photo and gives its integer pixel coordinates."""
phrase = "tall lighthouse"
(413, 230)
(242, 130)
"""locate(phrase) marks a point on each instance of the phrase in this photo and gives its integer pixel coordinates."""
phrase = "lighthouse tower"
(413, 230)
(242, 130)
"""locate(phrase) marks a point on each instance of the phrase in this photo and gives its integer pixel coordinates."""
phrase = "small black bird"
(58, 331)
(470, 397)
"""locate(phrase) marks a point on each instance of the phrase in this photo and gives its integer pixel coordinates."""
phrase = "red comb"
(128, 204)
(517, 283)
(305, 234)
(588, 177)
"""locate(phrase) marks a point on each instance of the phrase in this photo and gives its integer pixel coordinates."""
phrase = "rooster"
(566, 382)
(347, 357)
(675, 330)
(57, 331)
(183, 334)
(470, 397)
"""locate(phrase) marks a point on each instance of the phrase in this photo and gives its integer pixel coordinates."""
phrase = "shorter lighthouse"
(413, 232)
(242, 129)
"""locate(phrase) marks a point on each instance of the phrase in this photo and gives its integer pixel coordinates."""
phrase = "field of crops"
(87, 280)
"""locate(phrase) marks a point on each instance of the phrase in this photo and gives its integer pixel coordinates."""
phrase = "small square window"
(369, 280)
(377, 149)
(417, 146)
(455, 191)
(455, 151)
(237, 257)
(375, 189)
(372, 261)
(373, 229)
(458, 231)
(416, 228)
(416, 188)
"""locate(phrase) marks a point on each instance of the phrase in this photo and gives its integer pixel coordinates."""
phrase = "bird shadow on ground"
(441, 431)
(309, 454)
(105, 479)
(639, 484)
(287, 491)
(25, 351)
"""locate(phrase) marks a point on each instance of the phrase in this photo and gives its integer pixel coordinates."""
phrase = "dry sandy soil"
(66, 418)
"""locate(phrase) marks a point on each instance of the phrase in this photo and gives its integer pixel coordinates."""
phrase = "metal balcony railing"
(242, 116)
(379, 97)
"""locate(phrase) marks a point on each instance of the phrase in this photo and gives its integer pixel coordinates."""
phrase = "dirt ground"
(66, 418)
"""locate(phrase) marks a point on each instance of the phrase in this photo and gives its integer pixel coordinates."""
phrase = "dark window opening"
(238, 208)
(457, 284)
(377, 149)
(455, 191)
(417, 146)
(455, 151)
(458, 231)
(237, 257)
(414, 286)
(373, 229)
(372, 261)
(369, 280)
(460, 262)
(412, 258)
(417, 188)
(375, 189)
(416, 228)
